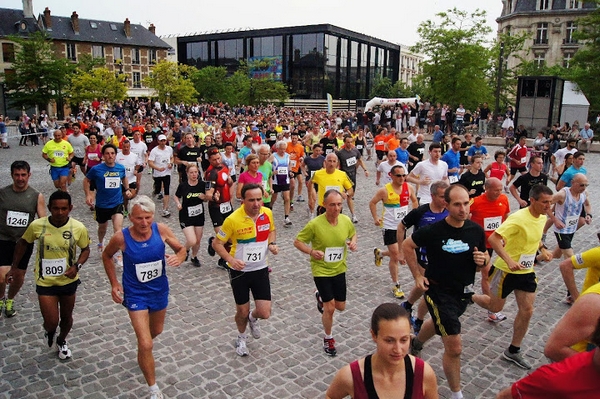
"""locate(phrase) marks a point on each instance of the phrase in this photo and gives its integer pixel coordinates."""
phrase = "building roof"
(104, 32)
(530, 6)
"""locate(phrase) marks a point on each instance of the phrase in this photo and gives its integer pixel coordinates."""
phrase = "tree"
(382, 87)
(507, 46)
(38, 76)
(247, 90)
(211, 84)
(172, 82)
(97, 83)
(457, 64)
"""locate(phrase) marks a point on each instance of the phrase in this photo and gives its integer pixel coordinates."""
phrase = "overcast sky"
(396, 21)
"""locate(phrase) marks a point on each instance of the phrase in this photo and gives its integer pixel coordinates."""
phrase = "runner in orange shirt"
(394, 140)
(381, 139)
(296, 151)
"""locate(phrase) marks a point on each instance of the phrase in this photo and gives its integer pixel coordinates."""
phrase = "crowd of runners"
(235, 162)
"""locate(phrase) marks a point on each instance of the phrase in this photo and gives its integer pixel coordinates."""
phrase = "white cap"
(162, 137)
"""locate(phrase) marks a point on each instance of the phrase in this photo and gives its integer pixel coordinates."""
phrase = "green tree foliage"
(383, 87)
(513, 47)
(585, 66)
(211, 84)
(172, 82)
(96, 83)
(86, 62)
(39, 77)
(458, 64)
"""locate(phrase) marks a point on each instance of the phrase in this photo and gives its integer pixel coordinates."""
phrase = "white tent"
(575, 105)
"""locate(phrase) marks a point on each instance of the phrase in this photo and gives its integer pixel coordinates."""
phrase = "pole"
(499, 82)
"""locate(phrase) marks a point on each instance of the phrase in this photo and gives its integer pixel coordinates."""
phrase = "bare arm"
(342, 384)
(379, 196)
(497, 244)
(41, 206)
(169, 238)
(116, 243)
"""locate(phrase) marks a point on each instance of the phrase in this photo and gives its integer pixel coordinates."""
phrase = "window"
(93, 25)
(539, 60)
(8, 52)
(544, 4)
(97, 52)
(71, 51)
(152, 56)
(137, 80)
(541, 36)
(567, 59)
(574, 4)
(571, 28)
(135, 56)
(113, 27)
(118, 54)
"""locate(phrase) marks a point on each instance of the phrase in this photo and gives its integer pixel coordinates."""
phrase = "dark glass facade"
(311, 60)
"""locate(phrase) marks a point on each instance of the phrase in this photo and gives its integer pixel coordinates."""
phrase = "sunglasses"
(583, 185)
(400, 175)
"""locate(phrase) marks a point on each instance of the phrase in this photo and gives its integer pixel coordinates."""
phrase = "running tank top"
(281, 169)
(498, 170)
(17, 212)
(395, 206)
(144, 265)
(365, 389)
(568, 212)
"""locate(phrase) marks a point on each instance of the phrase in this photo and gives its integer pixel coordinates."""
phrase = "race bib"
(380, 143)
(17, 219)
(524, 159)
(399, 213)
(351, 161)
(255, 253)
(265, 185)
(571, 221)
(59, 154)
(292, 163)
(195, 210)
(492, 223)
(282, 170)
(54, 267)
(336, 188)
(453, 179)
(328, 151)
(148, 271)
(129, 169)
(359, 146)
(148, 140)
(112, 182)
(527, 260)
(334, 254)
(225, 207)
(93, 156)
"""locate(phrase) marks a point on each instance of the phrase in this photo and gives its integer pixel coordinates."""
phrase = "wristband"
(273, 243)
(78, 266)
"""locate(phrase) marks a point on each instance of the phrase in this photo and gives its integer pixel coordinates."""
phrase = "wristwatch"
(78, 266)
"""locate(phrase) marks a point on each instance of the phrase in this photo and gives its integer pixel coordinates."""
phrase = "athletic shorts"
(244, 282)
(331, 288)
(503, 283)
(186, 221)
(77, 160)
(279, 188)
(513, 171)
(103, 215)
(7, 249)
(445, 310)
(390, 237)
(58, 290)
(380, 154)
(164, 181)
(233, 178)
(216, 216)
(132, 186)
(564, 240)
(152, 302)
(58, 172)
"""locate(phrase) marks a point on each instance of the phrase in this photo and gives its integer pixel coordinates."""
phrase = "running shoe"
(100, 247)
(9, 311)
(300, 199)
(568, 300)
(210, 249)
(240, 347)
(118, 259)
(195, 261)
(319, 301)
(287, 222)
(517, 359)
(291, 206)
(64, 352)
(329, 346)
(417, 325)
(159, 196)
(354, 219)
(397, 291)
(187, 255)
(254, 328)
(156, 395)
(378, 257)
(165, 213)
(495, 317)
(49, 337)
(415, 347)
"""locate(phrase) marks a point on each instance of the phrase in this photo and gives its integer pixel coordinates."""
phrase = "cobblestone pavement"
(195, 355)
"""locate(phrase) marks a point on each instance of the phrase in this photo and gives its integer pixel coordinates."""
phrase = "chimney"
(152, 29)
(28, 8)
(75, 22)
(47, 19)
(127, 27)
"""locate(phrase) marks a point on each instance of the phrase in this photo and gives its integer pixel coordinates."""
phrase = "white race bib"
(492, 223)
(527, 260)
(282, 170)
(148, 271)
(524, 159)
(571, 221)
(453, 179)
(17, 219)
(225, 207)
(112, 182)
(334, 254)
(359, 146)
(292, 163)
(54, 267)
(255, 253)
(93, 156)
(59, 154)
(148, 140)
(351, 161)
(195, 210)
(399, 213)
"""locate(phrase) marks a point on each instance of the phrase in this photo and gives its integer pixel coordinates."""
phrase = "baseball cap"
(162, 137)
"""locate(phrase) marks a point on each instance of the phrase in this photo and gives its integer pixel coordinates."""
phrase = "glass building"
(311, 60)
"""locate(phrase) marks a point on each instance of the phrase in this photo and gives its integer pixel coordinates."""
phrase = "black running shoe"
(211, 250)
